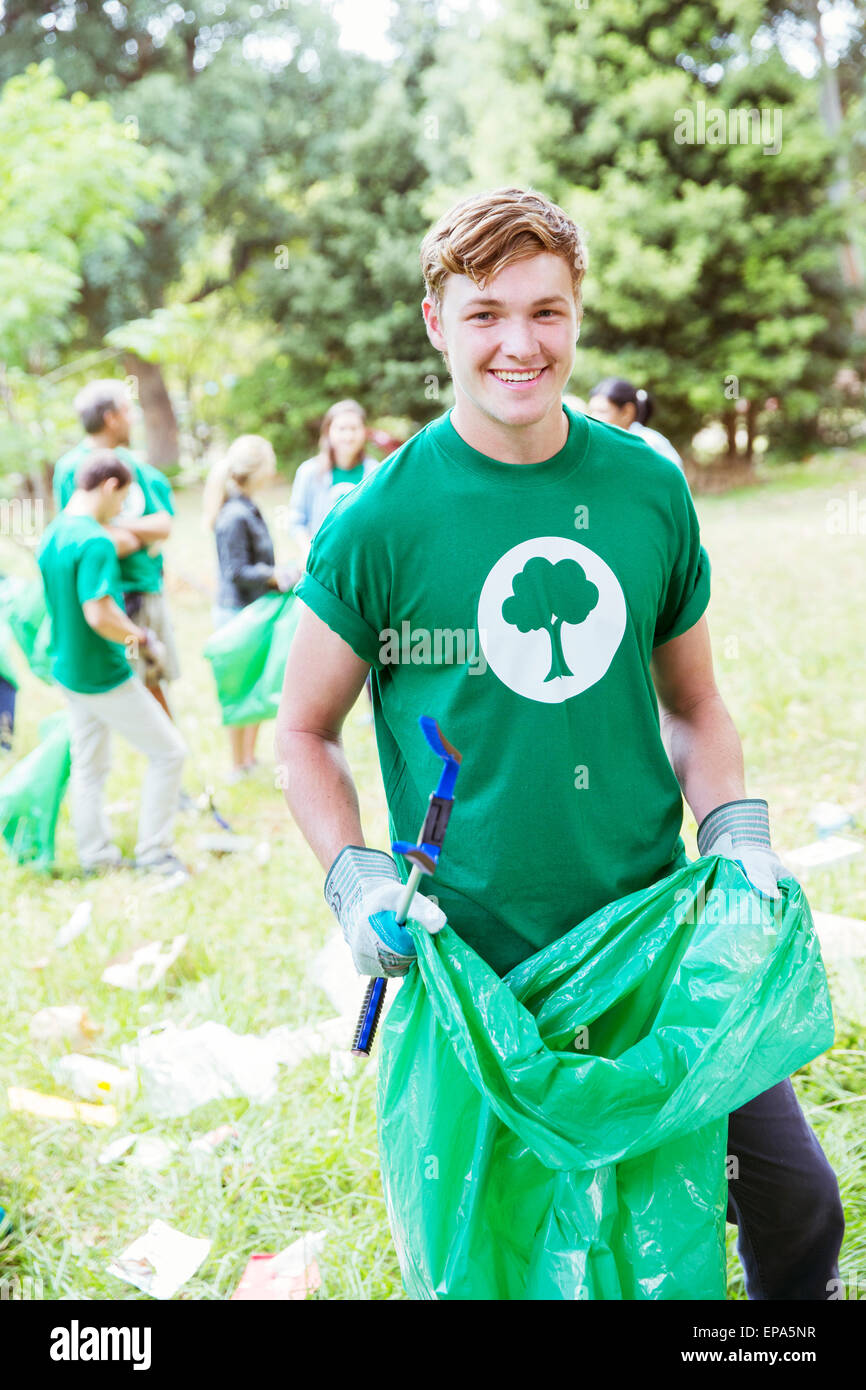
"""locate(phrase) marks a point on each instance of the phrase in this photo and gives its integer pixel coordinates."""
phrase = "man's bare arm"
(322, 682)
(110, 621)
(125, 543)
(701, 740)
(156, 526)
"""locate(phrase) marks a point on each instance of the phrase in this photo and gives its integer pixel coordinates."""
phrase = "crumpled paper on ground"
(68, 1023)
(182, 1068)
(289, 1275)
(143, 966)
(161, 1260)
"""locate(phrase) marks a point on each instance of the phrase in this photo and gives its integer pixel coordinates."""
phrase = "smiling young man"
(571, 552)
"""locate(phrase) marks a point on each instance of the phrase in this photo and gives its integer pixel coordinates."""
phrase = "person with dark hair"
(92, 641)
(341, 462)
(105, 410)
(617, 402)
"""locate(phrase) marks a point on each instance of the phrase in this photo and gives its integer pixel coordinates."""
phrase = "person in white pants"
(92, 641)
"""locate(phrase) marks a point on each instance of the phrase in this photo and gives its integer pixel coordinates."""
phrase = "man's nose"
(519, 339)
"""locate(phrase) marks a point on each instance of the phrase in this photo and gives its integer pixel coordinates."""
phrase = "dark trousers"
(785, 1201)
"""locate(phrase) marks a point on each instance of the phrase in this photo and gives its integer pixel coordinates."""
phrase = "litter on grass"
(182, 1068)
(57, 1108)
(93, 1079)
(143, 966)
(78, 922)
(827, 818)
(68, 1023)
(227, 843)
(820, 854)
(167, 885)
(161, 1260)
(147, 1151)
(841, 938)
(116, 1149)
(289, 1275)
(210, 1142)
(332, 970)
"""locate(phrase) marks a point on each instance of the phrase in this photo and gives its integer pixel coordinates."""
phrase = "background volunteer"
(245, 553)
(340, 464)
(144, 524)
(574, 554)
(617, 402)
(91, 634)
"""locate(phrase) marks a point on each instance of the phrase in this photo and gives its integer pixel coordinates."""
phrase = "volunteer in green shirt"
(92, 638)
(144, 524)
(535, 581)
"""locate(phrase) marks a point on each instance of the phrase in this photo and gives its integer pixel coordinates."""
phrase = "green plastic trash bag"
(22, 604)
(561, 1133)
(32, 793)
(7, 665)
(248, 657)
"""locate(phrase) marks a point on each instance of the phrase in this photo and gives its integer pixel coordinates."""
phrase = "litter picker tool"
(424, 857)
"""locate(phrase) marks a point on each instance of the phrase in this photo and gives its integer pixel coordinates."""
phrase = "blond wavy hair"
(232, 475)
(483, 234)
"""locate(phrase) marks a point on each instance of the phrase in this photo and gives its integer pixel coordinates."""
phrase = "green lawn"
(786, 618)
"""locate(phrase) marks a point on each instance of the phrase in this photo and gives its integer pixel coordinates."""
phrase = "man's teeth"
(519, 376)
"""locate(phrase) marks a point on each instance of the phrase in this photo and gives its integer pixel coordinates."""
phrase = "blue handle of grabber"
(424, 857)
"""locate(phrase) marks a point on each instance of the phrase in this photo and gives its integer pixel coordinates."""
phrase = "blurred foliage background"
(219, 201)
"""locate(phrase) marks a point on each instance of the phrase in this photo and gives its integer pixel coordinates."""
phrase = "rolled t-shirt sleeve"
(98, 571)
(346, 582)
(688, 589)
(162, 496)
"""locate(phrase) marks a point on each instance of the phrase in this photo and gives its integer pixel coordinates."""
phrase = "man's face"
(111, 500)
(118, 423)
(603, 409)
(510, 347)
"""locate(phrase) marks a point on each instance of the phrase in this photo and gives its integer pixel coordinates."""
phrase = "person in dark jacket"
(245, 553)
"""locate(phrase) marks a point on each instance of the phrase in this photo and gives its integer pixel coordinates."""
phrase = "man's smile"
(518, 380)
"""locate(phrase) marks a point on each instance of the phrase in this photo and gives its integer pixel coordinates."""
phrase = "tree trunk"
(730, 422)
(160, 425)
(751, 415)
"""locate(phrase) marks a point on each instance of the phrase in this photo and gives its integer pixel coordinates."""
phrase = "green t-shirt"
(78, 562)
(519, 606)
(150, 492)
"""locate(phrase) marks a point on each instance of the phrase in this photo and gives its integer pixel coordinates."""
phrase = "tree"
(714, 278)
(546, 595)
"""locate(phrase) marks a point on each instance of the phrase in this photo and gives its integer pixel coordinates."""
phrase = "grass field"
(786, 618)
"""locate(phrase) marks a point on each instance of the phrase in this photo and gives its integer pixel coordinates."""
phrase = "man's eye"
(483, 314)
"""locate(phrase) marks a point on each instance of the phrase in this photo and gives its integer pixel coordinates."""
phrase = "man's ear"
(433, 323)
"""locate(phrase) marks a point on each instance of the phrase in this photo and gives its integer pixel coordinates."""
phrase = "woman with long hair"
(339, 465)
(245, 553)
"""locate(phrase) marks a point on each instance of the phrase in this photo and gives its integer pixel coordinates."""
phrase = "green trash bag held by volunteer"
(248, 657)
(22, 604)
(32, 793)
(561, 1133)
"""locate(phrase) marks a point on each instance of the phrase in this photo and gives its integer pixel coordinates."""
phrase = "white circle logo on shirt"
(550, 618)
(134, 503)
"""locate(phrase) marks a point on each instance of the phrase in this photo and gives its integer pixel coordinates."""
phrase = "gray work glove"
(363, 889)
(740, 830)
